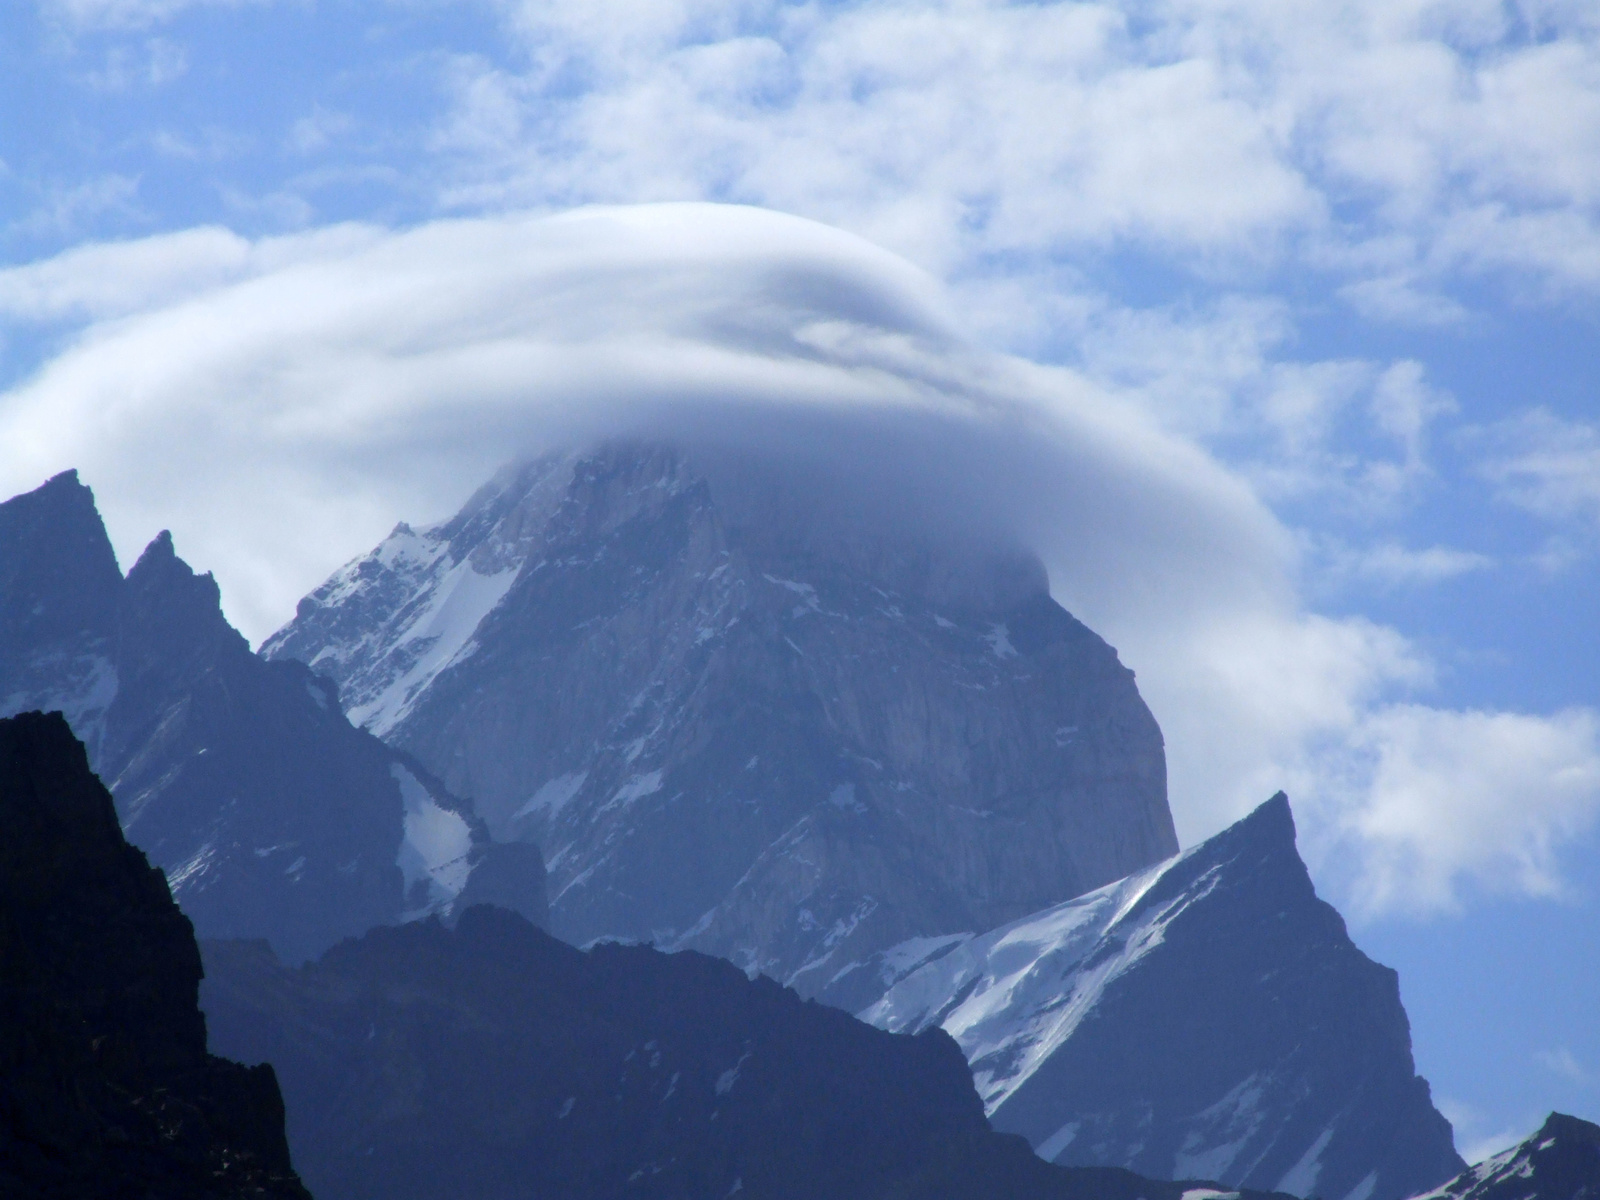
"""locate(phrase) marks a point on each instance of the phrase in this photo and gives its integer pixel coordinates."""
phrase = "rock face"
(272, 815)
(492, 1061)
(1560, 1162)
(734, 728)
(1206, 1017)
(106, 1088)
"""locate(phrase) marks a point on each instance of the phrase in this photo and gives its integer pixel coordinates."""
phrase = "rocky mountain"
(270, 813)
(738, 722)
(492, 1061)
(1206, 1017)
(106, 1087)
(1559, 1162)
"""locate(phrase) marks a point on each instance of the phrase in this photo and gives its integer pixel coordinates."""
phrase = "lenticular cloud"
(280, 404)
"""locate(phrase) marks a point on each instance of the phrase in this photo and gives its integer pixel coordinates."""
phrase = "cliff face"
(493, 1062)
(1207, 1017)
(733, 728)
(106, 1088)
(270, 813)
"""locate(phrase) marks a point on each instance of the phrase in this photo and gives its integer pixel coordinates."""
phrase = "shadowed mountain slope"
(106, 1088)
(493, 1062)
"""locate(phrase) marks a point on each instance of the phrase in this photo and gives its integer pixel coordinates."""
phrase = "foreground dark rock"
(106, 1088)
(492, 1061)
(1560, 1162)
(1207, 1017)
(738, 723)
(271, 815)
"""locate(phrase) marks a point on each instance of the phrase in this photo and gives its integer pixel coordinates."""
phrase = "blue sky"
(1328, 270)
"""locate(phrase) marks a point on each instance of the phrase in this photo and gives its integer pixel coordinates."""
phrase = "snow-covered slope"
(734, 727)
(270, 813)
(1559, 1162)
(1206, 1018)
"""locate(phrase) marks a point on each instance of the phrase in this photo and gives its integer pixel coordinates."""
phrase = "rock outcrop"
(1207, 1017)
(739, 727)
(491, 1061)
(270, 813)
(106, 1087)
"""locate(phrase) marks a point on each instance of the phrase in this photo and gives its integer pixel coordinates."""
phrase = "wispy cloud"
(1545, 464)
(1564, 1064)
(94, 15)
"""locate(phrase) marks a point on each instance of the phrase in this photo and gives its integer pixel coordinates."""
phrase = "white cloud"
(1435, 799)
(1399, 146)
(1563, 1063)
(1391, 565)
(1545, 464)
(156, 62)
(1477, 1136)
(1351, 433)
(91, 15)
(315, 131)
(280, 403)
(64, 209)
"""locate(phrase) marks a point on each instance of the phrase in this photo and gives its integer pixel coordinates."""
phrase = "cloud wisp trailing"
(280, 403)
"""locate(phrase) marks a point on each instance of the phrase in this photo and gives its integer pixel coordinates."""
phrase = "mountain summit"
(1207, 1017)
(739, 719)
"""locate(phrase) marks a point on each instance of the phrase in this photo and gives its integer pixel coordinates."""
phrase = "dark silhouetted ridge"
(106, 1088)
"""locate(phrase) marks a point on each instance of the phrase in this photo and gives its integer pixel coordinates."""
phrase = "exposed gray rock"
(1206, 1017)
(742, 724)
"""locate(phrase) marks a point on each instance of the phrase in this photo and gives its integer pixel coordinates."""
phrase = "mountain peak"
(1287, 1066)
(714, 692)
(1559, 1162)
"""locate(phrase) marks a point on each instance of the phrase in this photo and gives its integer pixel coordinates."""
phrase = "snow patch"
(999, 639)
(1301, 1179)
(1220, 1133)
(844, 796)
(728, 1078)
(553, 795)
(637, 788)
(1013, 996)
(1058, 1141)
(435, 846)
(459, 602)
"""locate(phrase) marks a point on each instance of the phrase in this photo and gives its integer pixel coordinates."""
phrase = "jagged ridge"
(270, 813)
